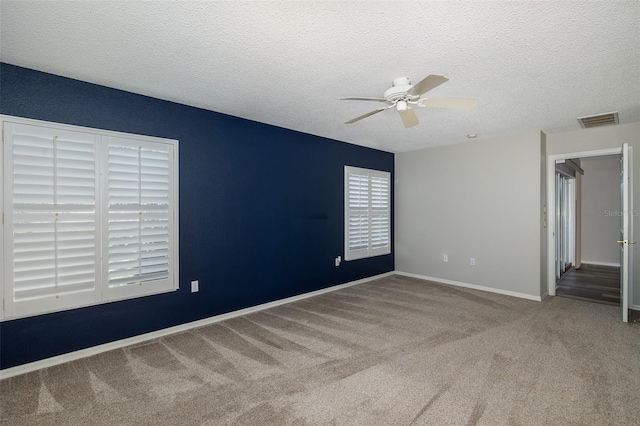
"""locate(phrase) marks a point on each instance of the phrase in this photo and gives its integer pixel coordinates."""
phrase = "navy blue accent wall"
(261, 212)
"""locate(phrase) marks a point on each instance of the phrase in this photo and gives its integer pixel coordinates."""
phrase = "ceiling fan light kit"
(402, 95)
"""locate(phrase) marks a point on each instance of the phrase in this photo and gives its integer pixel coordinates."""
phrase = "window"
(90, 216)
(367, 213)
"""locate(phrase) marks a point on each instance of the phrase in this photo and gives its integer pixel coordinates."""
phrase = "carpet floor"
(394, 351)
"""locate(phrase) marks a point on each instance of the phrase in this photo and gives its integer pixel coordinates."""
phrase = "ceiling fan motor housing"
(399, 89)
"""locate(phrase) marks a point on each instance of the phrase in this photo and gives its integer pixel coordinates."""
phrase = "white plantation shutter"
(358, 216)
(89, 216)
(51, 218)
(139, 231)
(380, 208)
(367, 213)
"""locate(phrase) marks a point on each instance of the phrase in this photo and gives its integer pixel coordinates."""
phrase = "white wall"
(602, 138)
(600, 202)
(477, 199)
(481, 199)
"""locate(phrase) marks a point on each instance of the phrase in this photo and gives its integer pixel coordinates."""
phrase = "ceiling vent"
(599, 120)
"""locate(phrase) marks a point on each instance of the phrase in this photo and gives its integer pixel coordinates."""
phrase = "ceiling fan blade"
(458, 103)
(369, 114)
(409, 118)
(426, 84)
(364, 99)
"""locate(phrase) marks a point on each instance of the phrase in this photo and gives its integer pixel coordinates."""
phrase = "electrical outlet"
(473, 261)
(445, 258)
(338, 260)
(195, 286)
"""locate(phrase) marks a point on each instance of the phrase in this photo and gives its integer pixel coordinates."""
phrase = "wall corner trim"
(94, 350)
(474, 286)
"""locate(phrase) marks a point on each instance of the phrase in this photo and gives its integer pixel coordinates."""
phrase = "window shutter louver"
(53, 217)
(139, 225)
(367, 213)
(358, 201)
(379, 212)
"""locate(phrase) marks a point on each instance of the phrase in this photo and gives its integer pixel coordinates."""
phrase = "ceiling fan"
(402, 95)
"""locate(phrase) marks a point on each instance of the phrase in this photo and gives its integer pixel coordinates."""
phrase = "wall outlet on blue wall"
(194, 286)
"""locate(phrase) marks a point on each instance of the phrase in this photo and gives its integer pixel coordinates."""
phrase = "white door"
(626, 229)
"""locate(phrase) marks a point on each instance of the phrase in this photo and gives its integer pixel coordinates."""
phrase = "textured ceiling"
(530, 64)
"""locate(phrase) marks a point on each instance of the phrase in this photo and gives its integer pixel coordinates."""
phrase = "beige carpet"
(396, 351)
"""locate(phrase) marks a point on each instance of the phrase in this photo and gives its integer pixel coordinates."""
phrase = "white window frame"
(370, 212)
(101, 293)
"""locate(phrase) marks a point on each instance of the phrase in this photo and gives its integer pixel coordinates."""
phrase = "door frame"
(551, 208)
(626, 230)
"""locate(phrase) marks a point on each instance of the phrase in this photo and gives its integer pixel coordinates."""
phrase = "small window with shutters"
(90, 216)
(367, 212)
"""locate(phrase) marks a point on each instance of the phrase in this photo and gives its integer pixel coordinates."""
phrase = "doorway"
(552, 200)
(587, 227)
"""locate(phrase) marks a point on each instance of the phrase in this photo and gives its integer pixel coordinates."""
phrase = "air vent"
(599, 120)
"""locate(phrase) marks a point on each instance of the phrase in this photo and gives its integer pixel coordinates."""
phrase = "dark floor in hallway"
(593, 283)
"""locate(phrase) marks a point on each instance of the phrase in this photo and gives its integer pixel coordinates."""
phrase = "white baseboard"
(473, 286)
(94, 350)
(596, 263)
